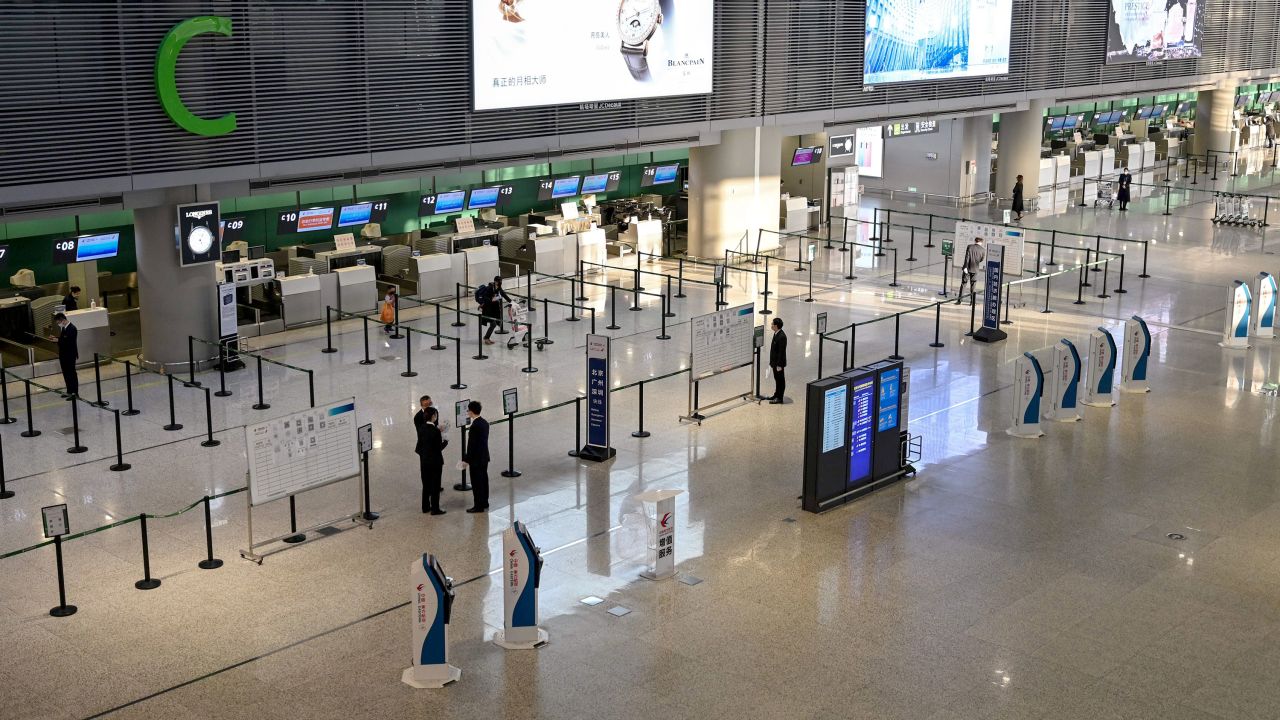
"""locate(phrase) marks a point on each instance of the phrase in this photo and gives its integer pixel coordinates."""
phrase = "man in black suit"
(68, 353)
(71, 301)
(778, 361)
(424, 403)
(430, 449)
(477, 457)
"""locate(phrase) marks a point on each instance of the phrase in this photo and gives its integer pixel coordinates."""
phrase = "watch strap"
(637, 61)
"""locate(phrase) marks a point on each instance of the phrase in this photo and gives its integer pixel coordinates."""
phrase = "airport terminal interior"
(771, 359)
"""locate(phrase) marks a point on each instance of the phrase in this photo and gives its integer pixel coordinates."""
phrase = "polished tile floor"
(1009, 579)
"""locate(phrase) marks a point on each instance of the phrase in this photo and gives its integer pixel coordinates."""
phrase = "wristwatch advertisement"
(531, 53)
(198, 233)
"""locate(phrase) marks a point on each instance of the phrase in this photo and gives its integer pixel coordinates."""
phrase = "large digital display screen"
(527, 53)
(860, 438)
(483, 198)
(604, 182)
(659, 175)
(355, 214)
(565, 187)
(441, 203)
(869, 150)
(86, 248)
(315, 219)
(935, 39)
(887, 405)
(834, 403)
(1151, 30)
(806, 156)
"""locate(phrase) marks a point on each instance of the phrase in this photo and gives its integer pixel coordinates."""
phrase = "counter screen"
(483, 198)
(860, 440)
(565, 187)
(315, 219)
(604, 182)
(355, 214)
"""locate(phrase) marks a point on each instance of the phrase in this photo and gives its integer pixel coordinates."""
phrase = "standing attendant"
(1017, 199)
(974, 255)
(430, 449)
(68, 354)
(477, 458)
(778, 361)
(1122, 193)
(71, 301)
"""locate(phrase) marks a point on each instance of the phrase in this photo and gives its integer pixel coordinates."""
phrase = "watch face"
(636, 20)
(200, 240)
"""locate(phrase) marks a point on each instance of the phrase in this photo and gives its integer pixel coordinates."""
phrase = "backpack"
(482, 294)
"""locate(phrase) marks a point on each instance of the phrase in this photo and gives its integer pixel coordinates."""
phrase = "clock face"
(636, 20)
(200, 240)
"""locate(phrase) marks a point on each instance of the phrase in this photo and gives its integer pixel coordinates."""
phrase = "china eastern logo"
(167, 72)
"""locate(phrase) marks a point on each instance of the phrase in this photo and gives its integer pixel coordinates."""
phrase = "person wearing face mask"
(1122, 192)
(68, 354)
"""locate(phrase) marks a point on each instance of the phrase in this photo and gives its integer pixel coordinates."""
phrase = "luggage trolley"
(1106, 193)
(521, 317)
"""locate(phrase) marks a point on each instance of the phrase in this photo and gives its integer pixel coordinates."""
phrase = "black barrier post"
(208, 422)
(368, 515)
(120, 465)
(937, 327)
(5, 493)
(1106, 268)
(464, 485)
(577, 426)
(311, 387)
(613, 309)
(328, 331)
(849, 274)
(63, 609)
(191, 362)
(853, 343)
(1097, 249)
(173, 421)
(97, 383)
(928, 241)
(4, 395)
(1168, 195)
(666, 311)
(1005, 303)
(911, 255)
(76, 447)
(637, 276)
(261, 404)
(395, 331)
(210, 562)
(1087, 256)
(296, 537)
(546, 320)
(1084, 183)
(641, 433)
(573, 305)
(479, 343)
(31, 431)
(1195, 170)
(879, 247)
(147, 582)
(367, 360)
(128, 389)
(408, 355)
(1120, 290)
(973, 310)
(897, 327)
(1215, 169)
(457, 364)
(457, 308)
(680, 277)
(821, 338)
(1080, 282)
(895, 268)
(875, 223)
(593, 320)
(511, 471)
(1266, 210)
(582, 283)
(528, 350)
(1144, 274)
(438, 345)
(1039, 251)
(810, 298)
(663, 334)
(767, 292)
(1053, 247)
(1047, 280)
(635, 301)
(222, 371)
(799, 256)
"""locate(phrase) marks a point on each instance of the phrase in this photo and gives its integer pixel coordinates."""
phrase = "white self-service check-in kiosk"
(1100, 370)
(431, 600)
(1028, 384)
(1063, 383)
(1137, 348)
(1235, 334)
(1266, 326)
(521, 578)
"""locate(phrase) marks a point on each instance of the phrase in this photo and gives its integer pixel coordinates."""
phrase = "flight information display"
(834, 405)
(442, 203)
(483, 198)
(315, 219)
(565, 187)
(887, 406)
(85, 248)
(860, 437)
(659, 175)
(604, 182)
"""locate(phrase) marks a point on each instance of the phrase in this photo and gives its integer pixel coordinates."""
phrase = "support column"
(174, 301)
(975, 155)
(734, 187)
(1215, 129)
(1018, 151)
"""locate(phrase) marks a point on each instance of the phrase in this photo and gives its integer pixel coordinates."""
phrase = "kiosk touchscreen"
(431, 600)
(521, 578)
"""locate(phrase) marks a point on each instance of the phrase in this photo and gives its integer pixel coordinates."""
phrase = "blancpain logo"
(686, 61)
(197, 214)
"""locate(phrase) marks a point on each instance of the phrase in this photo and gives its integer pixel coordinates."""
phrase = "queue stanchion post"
(663, 334)
(546, 323)
(5, 493)
(577, 426)
(97, 383)
(1053, 247)
(438, 345)
(1048, 279)
(637, 276)
(463, 486)
(911, 254)
(262, 403)
(1088, 256)
(76, 448)
(613, 309)
(1039, 253)
(767, 292)
(130, 410)
(31, 430)
(147, 582)
(809, 299)
(457, 309)
(853, 343)
(365, 326)
(1106, 268)
(1004, 302)
(635, 301)
(1145, 244)
(1097, 248)
(937, 327)
(208, 422)
(593, 320)
(4, 397)
(897, 328)
(582, 283)
(895, 268)
(480, 343)
(63, 609)
(641, 433)
(821, 338)
(511, 471)
(173, 419)
(928, 240)
(666, 311)
(328, 331)
(528, 349)
(120, 465)
(222, 371)
(311, 387)
(395, 320)
(191, 362)
(296, 537)
(799, 255)
(1168, 194)
(408, 355)
(680, 277)
(368, 515)
(1080, 282)
(1120, 288)
(457, 365)
(209, 562)
(973, 310)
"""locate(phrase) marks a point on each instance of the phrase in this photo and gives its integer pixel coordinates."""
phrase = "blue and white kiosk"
(1235, 334)
(1028, 384)
(1101, 370)
(1063, 384)
(1266, 327)
(1137, 349)
(431, 599)
(521, 578)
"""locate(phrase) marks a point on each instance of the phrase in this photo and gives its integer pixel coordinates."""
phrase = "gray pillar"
(975, 165)
(1018, 151)
(734, 187)
(174, 302)
(1214, 118)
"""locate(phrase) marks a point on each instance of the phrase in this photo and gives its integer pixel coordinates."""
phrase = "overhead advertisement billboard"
(527, 53)
(935, 39)
(1151, 30)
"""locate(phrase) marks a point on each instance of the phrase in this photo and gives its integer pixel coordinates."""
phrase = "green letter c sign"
(167, 82)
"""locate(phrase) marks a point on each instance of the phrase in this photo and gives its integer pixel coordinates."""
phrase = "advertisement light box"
(1143, 31)
(935, 39)
(527, 53)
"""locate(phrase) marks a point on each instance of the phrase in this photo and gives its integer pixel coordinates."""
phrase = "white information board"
(722, 340)
(1014, 239)
(301, 451)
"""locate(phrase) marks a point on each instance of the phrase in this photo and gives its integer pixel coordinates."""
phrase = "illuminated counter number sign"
(167, 76)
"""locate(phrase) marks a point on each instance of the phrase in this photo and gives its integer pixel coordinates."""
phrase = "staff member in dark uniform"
(1122, 194)
(1018, 203)
(430, 449)
(71, 301)
(477, 458)
(778, 361)
(68, 354)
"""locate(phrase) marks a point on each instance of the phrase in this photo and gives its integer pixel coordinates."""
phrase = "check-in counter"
(1170, 147)
(433, 275)
(1088, 163)
(357, 289)
(482, 264)
(591, 249)
(1148, 155)
(1108, 161)
(549, 254)
(646, 236)
(795, 214)
(1045, 178)
(300, 299)
(94, 334)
